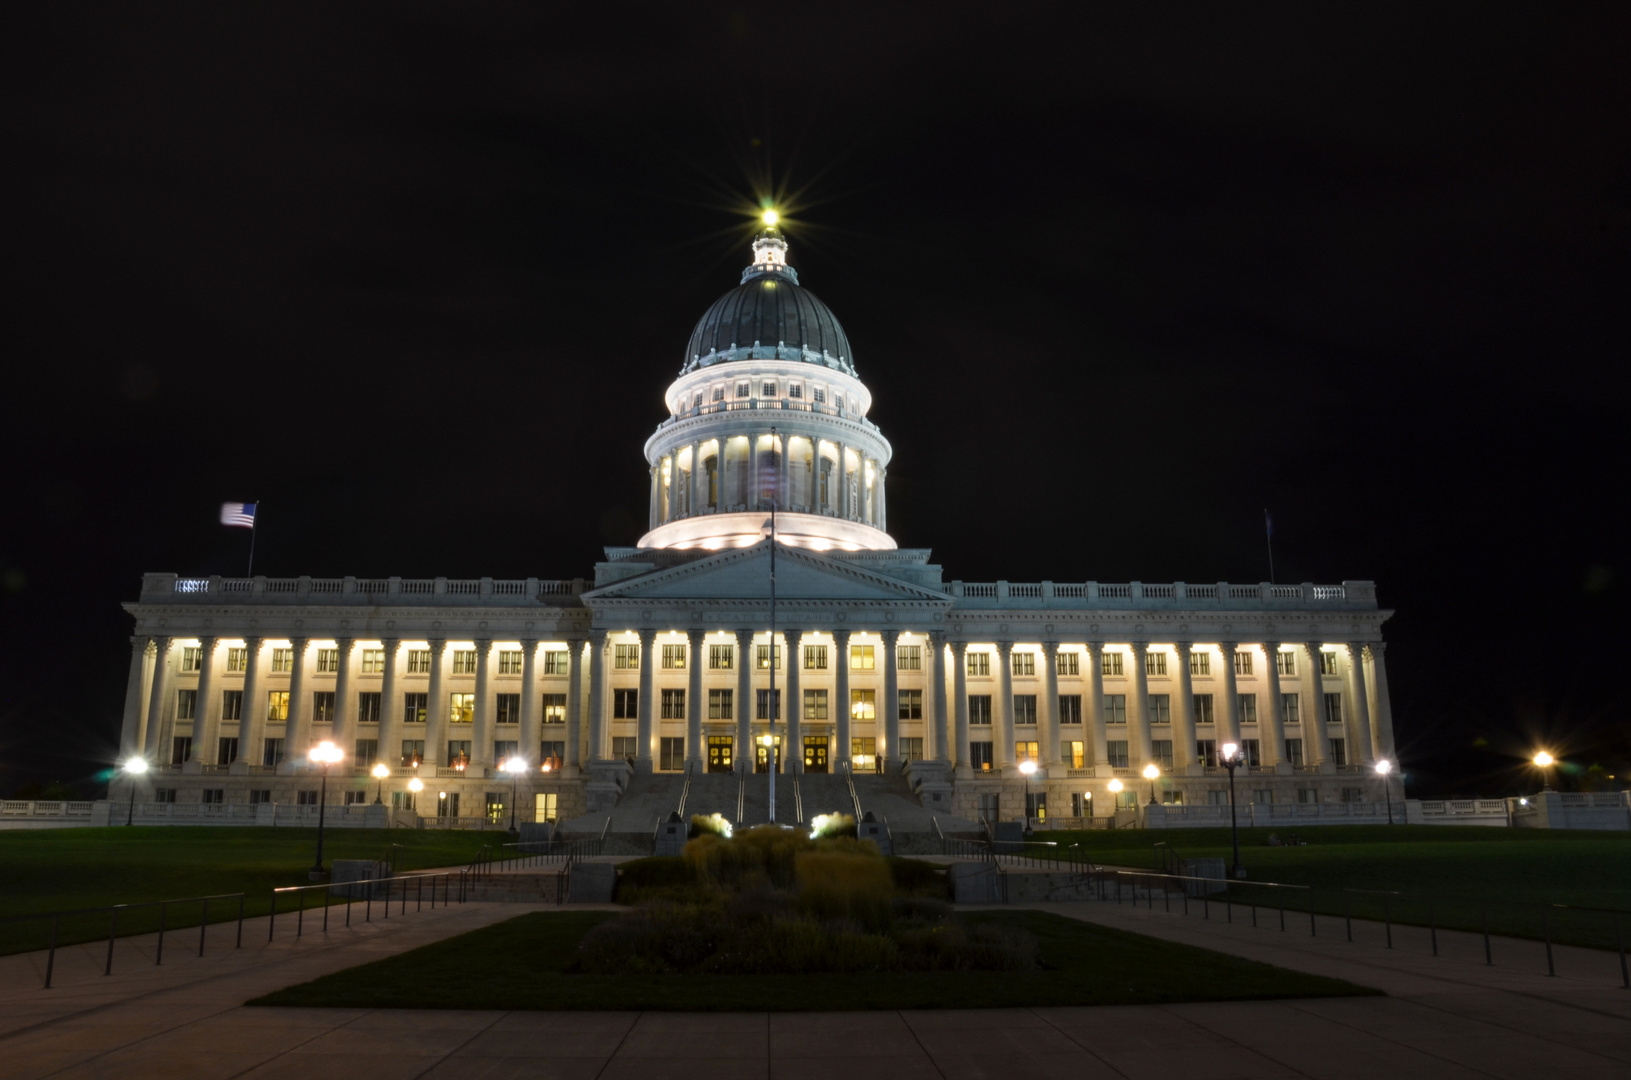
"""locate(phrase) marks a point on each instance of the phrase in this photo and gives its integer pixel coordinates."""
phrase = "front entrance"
(719, 752)
(815, 753)
(761, 754)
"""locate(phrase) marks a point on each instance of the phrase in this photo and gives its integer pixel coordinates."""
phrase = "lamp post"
(133, 768)
(325, 754)
(1151, 773)
(1115, 790)
(1544, 762)
(1383, 767)
(381, 771)
(515, 767)
(415, 786)
(1028, 767)
(1231, 758)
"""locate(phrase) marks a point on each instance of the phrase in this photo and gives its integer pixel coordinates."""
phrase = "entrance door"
(761, 755)
(719, 753)
(815, 753)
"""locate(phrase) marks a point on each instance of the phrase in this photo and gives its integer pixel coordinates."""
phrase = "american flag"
(238, 514)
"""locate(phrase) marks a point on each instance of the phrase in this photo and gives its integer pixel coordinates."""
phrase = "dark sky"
(415, 276)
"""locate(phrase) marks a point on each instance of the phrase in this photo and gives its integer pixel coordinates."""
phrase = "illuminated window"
(744, 389)
(719, 705)
(1068, 663)
(322, 707)
(1200, 663)
(864, 753)
(626, 656)
(1075, 755)
(458, 752)
(1070, 708)
(545, 806)
(557, 662)
(1203, 708)
(186, 704)
(509, 662)
(282, 660)
(1024, 663)
(909, 658)
(554, 708)
(232, 705)
(1111, 663)
(762, 710)
(979, 664)
(418, 661)
(721, 657)
(1115, 751)
(979, 758)
(815, 704)
(277, 706)
(815, 658)
(910, 704)
(507, 708)
(237, 660)
(1036, 805)
(328, 661)
(1024, 708)
(979, 708)
(1243, 663)
(863, 705)
(911, 748)
(461, 708)
(1328, 663)
(1155, 663)
(862, 658)
(464, 661)
(1115, 708)
(1026, 751)
(192, 661)
(764, 657)
(625, 704)
(373, 661)
(673, 704)
(1160, 708)
(414, 708)
(1286, 663)
(368, 708)
(674, 657)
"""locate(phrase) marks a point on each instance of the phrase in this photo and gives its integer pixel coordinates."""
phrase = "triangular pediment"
(744, 574)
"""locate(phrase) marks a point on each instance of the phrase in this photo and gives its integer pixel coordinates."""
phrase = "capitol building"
(998, 700)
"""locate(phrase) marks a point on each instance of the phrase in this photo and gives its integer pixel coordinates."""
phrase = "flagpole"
(254, 524)
(1268, 537)
(771, 751)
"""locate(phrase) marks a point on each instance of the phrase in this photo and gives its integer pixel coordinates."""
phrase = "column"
(529, 736)
(252, 726)
(1381, 706)
(1183, 713)
(753, 473)
(841, 708)
(597, 695)
(298, 729)
(784, 496)
(1093, 706)
(889, 752)
(1047, 707)
(673, 484)
(1270, 720)
(436, 709)
(793, 704)
(156, 701)
(648, 678)
(1356, 717)
(883, 507)
(1227, 720)
(345, 710)
(694, 705)
(481, 734)
(206, 720)
(698, 499)
(574, 706)
(843, 508)
(959, 680)
(390, 707)
(1139, 752)
(744, 701)
(130, 729)
(655, 521)
(1002, 709)
(1313, 693)
(937, 679)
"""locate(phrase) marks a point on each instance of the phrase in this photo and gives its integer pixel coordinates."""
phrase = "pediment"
(744, 574)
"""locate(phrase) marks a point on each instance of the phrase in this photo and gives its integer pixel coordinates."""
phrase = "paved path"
(1447, 1018)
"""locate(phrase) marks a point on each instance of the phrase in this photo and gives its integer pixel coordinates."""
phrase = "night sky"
(416, 276)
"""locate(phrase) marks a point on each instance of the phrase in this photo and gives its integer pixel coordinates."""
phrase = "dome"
(769, 317)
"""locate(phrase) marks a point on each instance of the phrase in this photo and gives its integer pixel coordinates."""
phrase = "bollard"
(240, 943)
(1546, 923)
(51, 956)
(113, 922)
(158, 957)
(203, 924)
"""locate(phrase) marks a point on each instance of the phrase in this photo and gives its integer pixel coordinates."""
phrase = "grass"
(520, 964)
(1465, 872)
(46, 870)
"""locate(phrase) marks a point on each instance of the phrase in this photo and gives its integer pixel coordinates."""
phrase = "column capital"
(483, 643)
(574, 642)
(938, 637)
(696, 636)
(889, 635)
(207, 641)
(1270, 647)
(1377, 648)
(1185, 646)
(438, 645)
(793, 637)
(958, 647)
(1227, 647)
(299, 643)
(841, 636)
(648, 634)
(528, 643)
(744, 638)
(597, 635)
(1140, 647)
(1005, 648)
(1050, 649)
(388, 643)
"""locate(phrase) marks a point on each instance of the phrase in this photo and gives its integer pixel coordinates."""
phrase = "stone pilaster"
(744, 701)
(1093, 707)
(841, 708)
(597, 696)
(1002, 710)
(436, 704)
(390, 706)
(695, 705)
(345, 707)
(1270, 717)
(481, 735)
(959, 677)
(1139, 750)
(889, 752)
(645, 744)
(1047, 710)
(1183, 715)
(206, 711)
(793, 704)
(158, 698)
(937, 681)
(1226, 714)
(531, 735)
(574, 707)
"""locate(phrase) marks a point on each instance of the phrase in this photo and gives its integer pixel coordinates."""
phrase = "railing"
(414, 883)
(849, 782)
(741, 797)
(375, 590)
(114, 912)
(798, 801)
(45, 808)
(529, 853)
(685, 790)
(1135, 594)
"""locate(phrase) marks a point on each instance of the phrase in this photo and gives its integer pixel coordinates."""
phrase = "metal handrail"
(798, 802)
(935, 821)
(444, 877)
(113, 926)
(741, 796)
(685, 791)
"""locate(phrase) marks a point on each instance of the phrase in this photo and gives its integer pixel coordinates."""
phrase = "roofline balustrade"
(352, 591)
(1177, 596)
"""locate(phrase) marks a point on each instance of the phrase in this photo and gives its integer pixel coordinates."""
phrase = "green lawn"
(1466, 872)
(45, 870)
(519, 964)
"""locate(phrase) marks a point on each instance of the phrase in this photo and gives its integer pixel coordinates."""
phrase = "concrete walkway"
(1445, 1018)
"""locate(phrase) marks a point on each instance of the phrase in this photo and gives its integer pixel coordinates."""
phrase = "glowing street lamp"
(515, 767)
(381, 771)
(1028, 767)
(770, 217)
(1544, 762)
(1383, 767)
(133, 768)
(1151, 773)
(323, 754)
(415, 786)
(1232, 759)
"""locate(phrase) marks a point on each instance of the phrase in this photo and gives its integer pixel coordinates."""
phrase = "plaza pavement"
(1446, 1018)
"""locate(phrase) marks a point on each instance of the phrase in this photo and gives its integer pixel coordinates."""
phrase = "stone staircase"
(713, 793)
(516, 887)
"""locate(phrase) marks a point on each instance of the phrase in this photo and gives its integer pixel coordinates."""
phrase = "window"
(718, 394)
(1111, 663)
(762, 709)
(1200, 663)
(282, 660)
(979, 708)
(719, 705)
(1243, 662)
(910, 704)
(277, 706)
(164, 794)
(1081, 804)
(767, 390)
(322, 707)
(508, 708)
(1115, 708)
(1251, 753)
(554, 708)
(237, 661)
(545, 806)
(1288, 710)
(494, 810)
(368, 708)
(1023, 663)
(720, 657)
(696, 400)
(863, 705)
(1333, 708)
(1286, 663)
(979, 755)
(509, 662)
(1160, 708)
(820, 396)
(911, 748)
(186, 704)
(1207, 751)
(232, 705)
(373, 661)
(1263, 796)
(504, 750)
(552, 751)
(763, 657)
(1155, 663)
(815, 704)
(671, 753)
(1353, 794)
(557, 662)
(1115, 751)
(458, 753)
(271, 752)
(226, 750)
(1203, 708)
(418, 661)
(838, 401)
(1217, 797)
(328, 661)
(1328, 663)
(673, 704)
(447, 804)
(1026, 751)
(909, 658)
(862, 658)
(744, 389)
(625, 746)
(1067, 663)
(988, 806)
(674, 657)
(1070, 708)
(626, 656)
(815, 658)
(1024, 708)
(625, 704)
(413, 752)
(213, 795)
(795, 390)
(1172, 798)
(1307, 795)
(1294, 752)
(1339, 751)
(464, 661)
(461, 708)
(1036, 805)
(192, 661)
(1075, 755)
(979, 664)
(414, 707)
(259, 796)
(1161, 751)
(181, 749)
(1246, 707)
(367, 751)
(864, 753)
(356, 798)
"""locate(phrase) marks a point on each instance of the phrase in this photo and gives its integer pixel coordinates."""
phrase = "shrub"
(846, 885)
(664, 878)
(709, 824)
(751, 858)
(832, 825)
